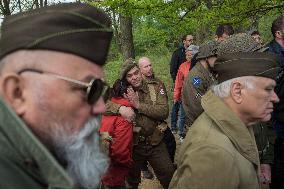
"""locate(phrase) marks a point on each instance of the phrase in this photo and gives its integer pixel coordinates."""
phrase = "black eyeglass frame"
(95, 89)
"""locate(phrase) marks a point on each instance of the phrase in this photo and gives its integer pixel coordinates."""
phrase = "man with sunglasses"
(51, 87)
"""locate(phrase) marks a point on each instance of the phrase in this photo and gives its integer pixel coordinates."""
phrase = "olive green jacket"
(24, 162)
(196, 84)
(219, 151)
(149, 114)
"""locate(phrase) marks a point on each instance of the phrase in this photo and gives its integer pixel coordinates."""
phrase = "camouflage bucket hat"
(240, 42)
(126, 67)
(207, 50)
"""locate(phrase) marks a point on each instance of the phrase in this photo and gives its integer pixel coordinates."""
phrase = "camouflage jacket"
(150, 114)
(196, 84)
(24, 161)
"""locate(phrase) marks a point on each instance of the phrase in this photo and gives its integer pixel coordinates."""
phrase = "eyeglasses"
(95, 89)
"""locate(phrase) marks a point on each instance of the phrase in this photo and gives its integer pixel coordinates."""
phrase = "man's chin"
(266, 118)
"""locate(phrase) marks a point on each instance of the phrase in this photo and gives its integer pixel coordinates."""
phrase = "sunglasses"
(95, 89)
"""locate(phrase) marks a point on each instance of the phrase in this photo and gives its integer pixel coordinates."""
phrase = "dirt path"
(155, 184)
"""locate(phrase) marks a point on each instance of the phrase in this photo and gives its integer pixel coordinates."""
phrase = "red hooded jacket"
(120, 149)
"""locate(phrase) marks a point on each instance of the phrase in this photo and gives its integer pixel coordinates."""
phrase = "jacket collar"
(144, 86)
(240, 135)
(29, 148)
(275, 47)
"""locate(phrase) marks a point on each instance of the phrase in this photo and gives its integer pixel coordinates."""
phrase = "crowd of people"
(62, 127)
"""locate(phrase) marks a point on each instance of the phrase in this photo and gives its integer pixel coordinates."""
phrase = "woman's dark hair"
(119, 88)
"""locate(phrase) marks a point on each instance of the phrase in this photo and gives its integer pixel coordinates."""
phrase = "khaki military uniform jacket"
(150, 114)
(24, 162)
(195, 86)
(219, 151)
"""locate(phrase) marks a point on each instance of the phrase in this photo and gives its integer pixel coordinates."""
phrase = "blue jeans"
(177, 107)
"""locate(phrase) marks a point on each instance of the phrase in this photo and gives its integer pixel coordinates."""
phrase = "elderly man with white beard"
(52, 97)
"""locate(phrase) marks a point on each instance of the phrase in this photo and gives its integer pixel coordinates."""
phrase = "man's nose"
(99, 107)
(274, 97)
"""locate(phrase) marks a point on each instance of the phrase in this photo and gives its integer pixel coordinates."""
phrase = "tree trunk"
(19, 6)
(126, 39)
(116, 32)
(5, 8)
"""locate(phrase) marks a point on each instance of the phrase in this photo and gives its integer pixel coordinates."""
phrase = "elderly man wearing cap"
(150, 115)
(220, 150)
(51, 97)
(198, 81)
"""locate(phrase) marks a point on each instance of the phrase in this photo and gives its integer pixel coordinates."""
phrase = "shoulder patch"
(196, 81)
(162, 91)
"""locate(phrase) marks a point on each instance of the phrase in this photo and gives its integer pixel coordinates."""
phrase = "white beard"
(86, 163)
(80, 150)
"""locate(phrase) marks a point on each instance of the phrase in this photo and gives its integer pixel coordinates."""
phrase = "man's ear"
(236, 92)
(12, 90)
(279, 35)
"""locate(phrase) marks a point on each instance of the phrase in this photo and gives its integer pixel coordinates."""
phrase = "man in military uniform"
(51, 97)
(145, 66)
(219, 151)
(264, 133)
(150, 116)
(198, 81)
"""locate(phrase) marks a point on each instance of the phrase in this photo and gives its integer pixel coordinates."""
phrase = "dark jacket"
(278, 113)
(24, 161)
(274, 47)
(178, 58)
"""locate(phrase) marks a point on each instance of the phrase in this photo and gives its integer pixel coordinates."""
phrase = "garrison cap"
(232, 65)
(127, 66)
(240, 42)
(207, 50)
(74, 28)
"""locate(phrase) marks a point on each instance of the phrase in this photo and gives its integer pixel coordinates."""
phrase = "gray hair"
(222, 90)
(21, 59)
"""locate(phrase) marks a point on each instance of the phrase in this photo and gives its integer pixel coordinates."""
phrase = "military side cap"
(127, 66)
(207, 50)
(74, 28)
(233, 65)
(240, 42)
